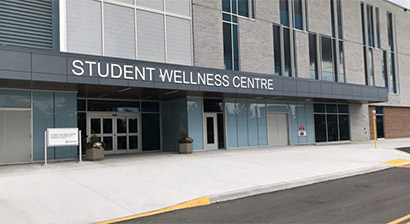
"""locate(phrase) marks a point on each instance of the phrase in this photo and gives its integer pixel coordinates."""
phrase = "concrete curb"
(232, 195)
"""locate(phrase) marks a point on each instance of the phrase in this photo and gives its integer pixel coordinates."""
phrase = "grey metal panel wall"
(26, 23)
(178, 6)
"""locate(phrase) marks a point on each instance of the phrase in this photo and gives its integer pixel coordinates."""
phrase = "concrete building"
(230, 73)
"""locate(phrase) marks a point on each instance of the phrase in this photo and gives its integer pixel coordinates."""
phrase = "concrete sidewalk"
(125, 185)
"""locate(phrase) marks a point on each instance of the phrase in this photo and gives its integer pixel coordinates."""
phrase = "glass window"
(371, 67)
(221, 132)
(227, 35)
(81, 105)
(342, 63)
(298, 15)
(284, 12)
(392, 74)
(342, 108)
(243, 8)
(339, 18)
(213, 105)
(379, 110)
(331, 108)
(286, 45)
(380, 126)
(327, 59)
(378, 28)
(332, 128)
(344, 127)
(313, 56)
(332, 125)
(235, 48)
(384, 69)
(150, 132)
(320, 128)
(370, 29)
(117, 106)
(390, 31)
(332, 17)
(226, 5)
(363, 23)
(319, 108)
(276, 48)
(366, 79)
(150, 106)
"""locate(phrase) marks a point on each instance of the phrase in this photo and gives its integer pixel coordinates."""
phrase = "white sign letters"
(175, 76)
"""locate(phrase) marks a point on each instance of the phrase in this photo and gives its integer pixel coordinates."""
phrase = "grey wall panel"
(302, 54)
(181, 7)
(119, 31)
(213, 4)
(17, 136)
(267, 10)
(359, 122)
(208, 37)
(256, 48)
(26, 23)
(319, 18)
(179, 44)
(84, 27)
(150, 36)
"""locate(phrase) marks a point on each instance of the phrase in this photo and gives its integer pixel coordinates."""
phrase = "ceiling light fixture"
(170, 92)
(123, 90)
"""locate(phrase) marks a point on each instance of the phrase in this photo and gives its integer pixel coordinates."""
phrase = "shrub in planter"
(185, 144)
(94, 149)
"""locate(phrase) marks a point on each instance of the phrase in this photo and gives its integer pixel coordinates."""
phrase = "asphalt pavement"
(379, 197)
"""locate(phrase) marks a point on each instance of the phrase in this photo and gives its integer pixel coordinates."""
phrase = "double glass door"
(119, 132)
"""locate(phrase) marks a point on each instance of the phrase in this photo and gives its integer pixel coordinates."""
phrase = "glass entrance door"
(119, 132)
(211, 131)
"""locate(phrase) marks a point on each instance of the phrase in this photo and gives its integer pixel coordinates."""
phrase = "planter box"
(94, 154)
(185, 148)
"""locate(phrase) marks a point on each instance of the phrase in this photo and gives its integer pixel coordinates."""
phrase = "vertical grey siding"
(179, 41)
(26, 23)
(151, 37)
(84, 27)
(119, 31)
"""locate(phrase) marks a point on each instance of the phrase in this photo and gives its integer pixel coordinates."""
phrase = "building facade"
(230, 73)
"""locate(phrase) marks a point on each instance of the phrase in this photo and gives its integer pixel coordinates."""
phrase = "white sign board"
(62, 137)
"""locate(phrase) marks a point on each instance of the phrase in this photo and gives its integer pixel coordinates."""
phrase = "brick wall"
(396, 122)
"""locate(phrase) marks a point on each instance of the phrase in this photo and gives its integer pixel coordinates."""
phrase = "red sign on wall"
(301, 128)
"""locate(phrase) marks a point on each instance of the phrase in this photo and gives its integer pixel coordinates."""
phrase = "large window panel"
(180, 7)
(119, 31)
(179, 41)
(332, 128)
(152, 4)
(84, 27)
(284, 12)
(320, 128)
(243, 7)
(313, 56)
(287, 49)
(344, 127)
(298, 14)
(327, 59)
(150, 47)
(276, 48)
(393, 87)
(341, 77)
(227, 40)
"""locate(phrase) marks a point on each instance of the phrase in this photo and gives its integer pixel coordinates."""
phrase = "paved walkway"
(125, 185)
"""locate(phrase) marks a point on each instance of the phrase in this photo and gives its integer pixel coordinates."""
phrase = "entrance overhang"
(96, 76)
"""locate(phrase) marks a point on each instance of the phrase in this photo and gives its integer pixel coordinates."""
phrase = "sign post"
(374, 129)
(60, 137)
